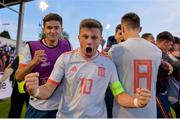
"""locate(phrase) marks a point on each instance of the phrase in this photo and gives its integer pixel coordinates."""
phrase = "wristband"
(37, 93)
(135, 102)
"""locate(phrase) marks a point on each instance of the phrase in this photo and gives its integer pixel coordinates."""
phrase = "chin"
(54, 39)
(88, 55)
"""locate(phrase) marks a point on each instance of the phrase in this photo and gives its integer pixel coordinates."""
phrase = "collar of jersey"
(97, 53)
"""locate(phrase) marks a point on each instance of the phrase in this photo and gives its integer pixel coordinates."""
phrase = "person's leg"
(16, 104)
(34, 113)
(109, 102)
(30, 112)
(163, 107)
(26, 99)
(176, 108)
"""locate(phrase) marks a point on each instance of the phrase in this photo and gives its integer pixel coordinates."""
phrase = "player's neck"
(132, 36)
(88, 57)
(50, 43)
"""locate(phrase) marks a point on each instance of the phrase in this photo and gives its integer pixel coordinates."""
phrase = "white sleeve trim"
(26, 55)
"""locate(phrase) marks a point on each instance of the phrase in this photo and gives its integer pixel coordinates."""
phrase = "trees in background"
(5, 34)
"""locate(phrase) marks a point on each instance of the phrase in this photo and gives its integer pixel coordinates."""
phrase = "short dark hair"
(165, 35)
(118, 27)
(52, 16)
(176, 40)
(131, 20)
(146, 35)
(90, 23)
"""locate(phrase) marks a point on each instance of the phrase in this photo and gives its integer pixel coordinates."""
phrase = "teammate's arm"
(40, 92)
(8, 71)
(46, 90)
(142, 98)
(27, 67)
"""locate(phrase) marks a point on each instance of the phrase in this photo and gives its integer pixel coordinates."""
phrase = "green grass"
(4, 108)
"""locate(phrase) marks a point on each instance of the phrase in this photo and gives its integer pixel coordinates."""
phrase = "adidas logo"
(73, 69)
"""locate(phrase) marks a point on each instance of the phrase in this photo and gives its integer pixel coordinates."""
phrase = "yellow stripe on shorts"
(116, 88)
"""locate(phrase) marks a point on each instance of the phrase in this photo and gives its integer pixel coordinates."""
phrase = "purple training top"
(47, 63)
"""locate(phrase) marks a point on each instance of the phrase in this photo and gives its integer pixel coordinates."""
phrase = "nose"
(53, 30)
(89, 41)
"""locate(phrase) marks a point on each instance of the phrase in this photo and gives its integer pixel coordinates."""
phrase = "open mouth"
(88, 49)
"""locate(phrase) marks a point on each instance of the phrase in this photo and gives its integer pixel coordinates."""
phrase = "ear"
(43, 29)
(62, 29)
(123, 29)
(78, 37)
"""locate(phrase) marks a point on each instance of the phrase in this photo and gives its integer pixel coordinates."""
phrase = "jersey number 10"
(86, 85)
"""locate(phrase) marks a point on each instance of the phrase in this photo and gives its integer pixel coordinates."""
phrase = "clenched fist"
(143, 97)
(32, 83)
(38, 56)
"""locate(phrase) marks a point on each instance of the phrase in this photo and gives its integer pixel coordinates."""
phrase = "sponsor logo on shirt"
(73, 68)
(44, 61)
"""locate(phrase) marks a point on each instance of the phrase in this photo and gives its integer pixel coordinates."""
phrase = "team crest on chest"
(101, 71)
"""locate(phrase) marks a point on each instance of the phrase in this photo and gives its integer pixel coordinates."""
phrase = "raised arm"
(8, 71)
(27, 63)
(33, 88)
(167, 66)
(141, 99)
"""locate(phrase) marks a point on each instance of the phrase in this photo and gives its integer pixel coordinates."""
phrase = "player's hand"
(38, 56)
(32, 82)
(143, 97)
(167, 66)
(176, 53)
